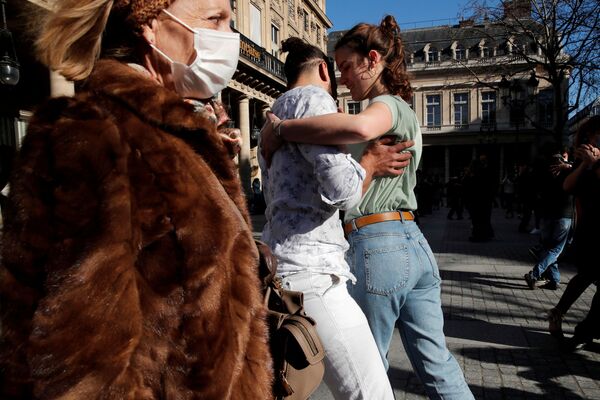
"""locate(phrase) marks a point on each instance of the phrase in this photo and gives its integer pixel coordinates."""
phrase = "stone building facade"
(258, 81)
(473, 94)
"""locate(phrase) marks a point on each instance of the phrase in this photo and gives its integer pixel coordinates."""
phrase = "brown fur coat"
(128, 265)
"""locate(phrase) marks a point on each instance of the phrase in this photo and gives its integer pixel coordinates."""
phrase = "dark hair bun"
(293, 44)
(389, 26)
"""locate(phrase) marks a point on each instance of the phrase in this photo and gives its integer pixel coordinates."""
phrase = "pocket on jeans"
(386, 269)
(430, 258)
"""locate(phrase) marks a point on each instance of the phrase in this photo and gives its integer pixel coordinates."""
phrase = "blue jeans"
(398, 284)
(554, 236)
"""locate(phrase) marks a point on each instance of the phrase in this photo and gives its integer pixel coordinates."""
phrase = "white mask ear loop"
(162, 53)
(180, 21)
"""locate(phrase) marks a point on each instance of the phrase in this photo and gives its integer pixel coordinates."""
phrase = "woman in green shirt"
(398, 278)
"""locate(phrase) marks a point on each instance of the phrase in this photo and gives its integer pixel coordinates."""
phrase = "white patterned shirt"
(304, 188)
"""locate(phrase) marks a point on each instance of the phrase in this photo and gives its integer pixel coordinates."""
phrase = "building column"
(244, 156)
(446, 164)
(60, 86)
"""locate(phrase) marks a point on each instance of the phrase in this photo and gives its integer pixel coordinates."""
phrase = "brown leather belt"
(375, 218)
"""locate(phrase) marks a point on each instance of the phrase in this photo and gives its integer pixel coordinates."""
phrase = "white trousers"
(353, 367)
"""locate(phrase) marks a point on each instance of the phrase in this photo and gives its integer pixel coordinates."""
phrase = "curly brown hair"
(386, 40)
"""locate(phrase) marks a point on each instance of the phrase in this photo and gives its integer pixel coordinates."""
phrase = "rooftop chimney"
(464, 23)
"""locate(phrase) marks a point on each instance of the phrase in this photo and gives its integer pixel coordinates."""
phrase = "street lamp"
(517, 96)
(255, 130)
(9, 65)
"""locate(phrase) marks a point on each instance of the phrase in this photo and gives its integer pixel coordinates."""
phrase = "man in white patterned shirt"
(304, 188)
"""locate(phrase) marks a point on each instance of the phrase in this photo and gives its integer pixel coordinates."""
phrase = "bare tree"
(557, 39)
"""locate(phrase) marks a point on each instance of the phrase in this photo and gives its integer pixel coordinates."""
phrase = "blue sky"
(346, 13)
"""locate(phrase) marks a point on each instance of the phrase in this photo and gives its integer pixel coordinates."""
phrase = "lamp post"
(255, 130)
(517, 96)
(9, 65)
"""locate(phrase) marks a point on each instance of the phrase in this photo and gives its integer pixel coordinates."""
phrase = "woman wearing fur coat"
(128, 265)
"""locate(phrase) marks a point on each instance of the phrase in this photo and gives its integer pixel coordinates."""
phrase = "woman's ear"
(374, 58)
(148, 31)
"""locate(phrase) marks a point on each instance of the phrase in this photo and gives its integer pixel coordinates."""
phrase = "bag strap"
(267, 266)
(303, 330)
(284, 301)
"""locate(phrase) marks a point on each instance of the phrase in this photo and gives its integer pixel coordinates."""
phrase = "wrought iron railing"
(260, 57)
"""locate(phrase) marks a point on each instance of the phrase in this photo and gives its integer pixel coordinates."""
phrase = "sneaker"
(530, 280)
(550, 285)
(541, 281)
(534, 231)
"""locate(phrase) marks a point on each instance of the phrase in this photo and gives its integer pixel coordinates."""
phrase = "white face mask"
(216, 60)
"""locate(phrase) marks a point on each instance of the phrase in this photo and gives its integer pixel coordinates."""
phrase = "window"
(434, 111)
(255, 25)
(461, 110)
(545, 108)
(7, 131)
(306, 24)
(488, 108)
(433, 54)
(233, 4)
(459, 53)
(353, 107)
(275, 40)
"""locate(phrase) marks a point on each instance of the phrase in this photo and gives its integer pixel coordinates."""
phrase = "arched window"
(485, 51)
(459, 52)
(433, 54)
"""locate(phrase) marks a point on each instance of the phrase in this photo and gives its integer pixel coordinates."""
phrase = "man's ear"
(148, 31)
(374, 58)
(324, 72)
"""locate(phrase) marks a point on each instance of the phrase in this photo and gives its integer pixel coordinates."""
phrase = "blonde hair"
(70, 39)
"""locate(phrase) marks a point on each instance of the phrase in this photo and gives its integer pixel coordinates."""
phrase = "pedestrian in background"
(556, 212)
(584, 184)
(481, 189)
(398, 281)
(454, 192)
(508, 194)
(129, 270)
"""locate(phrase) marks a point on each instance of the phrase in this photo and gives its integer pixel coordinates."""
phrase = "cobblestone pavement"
(495, 326)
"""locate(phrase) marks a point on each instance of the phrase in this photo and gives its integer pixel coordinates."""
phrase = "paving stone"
(495, 325)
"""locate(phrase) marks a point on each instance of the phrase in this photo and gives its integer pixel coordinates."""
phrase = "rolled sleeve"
(340, 179)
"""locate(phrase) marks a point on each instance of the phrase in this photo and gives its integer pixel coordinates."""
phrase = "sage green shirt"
(392, 193)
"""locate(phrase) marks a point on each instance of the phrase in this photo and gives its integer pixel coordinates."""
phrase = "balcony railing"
(260, 57)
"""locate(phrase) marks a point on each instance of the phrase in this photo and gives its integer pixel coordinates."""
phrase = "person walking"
(556, 212)
(584, 184)
(398, 281)
(455, 198)
(304, 187)
(129, 270)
